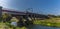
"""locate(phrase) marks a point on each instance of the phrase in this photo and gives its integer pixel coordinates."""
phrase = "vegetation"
(3, 25)
(54, 22)
(7, 24)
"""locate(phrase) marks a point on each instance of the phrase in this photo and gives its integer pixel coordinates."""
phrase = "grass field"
(54, 22)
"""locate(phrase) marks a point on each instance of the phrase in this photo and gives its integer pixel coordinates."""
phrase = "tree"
(6, 17)
(50, 15)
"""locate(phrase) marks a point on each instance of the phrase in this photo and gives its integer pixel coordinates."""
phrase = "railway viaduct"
(19, 13)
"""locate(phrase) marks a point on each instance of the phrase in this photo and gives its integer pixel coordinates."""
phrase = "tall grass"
(54, 22)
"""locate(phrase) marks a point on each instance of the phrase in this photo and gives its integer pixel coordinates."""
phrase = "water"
(41, 27)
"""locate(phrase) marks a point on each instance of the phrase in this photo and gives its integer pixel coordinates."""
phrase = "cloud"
(4, 3)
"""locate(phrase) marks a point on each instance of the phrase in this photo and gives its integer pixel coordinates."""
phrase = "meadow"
(53, 22)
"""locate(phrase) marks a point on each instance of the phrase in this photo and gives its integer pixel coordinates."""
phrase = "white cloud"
(4, 3)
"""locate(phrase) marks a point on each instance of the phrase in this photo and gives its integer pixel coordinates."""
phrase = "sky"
(38, 6)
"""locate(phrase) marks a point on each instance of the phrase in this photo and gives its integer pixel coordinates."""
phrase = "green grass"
(54, 22)
(2, 25)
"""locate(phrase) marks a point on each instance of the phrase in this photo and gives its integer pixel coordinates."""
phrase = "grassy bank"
(3, 25)
(54, 22)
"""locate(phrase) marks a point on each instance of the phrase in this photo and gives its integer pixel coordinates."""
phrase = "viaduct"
(18, 13)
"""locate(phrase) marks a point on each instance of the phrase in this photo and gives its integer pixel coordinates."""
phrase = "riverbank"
(3, 25)
(53, 22)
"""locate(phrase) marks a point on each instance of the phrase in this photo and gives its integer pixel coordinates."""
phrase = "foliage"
(4, 15)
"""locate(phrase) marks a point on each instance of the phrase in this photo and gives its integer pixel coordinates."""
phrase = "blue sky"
(39, 6)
